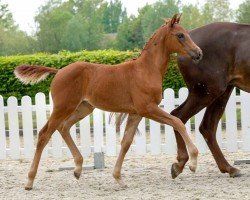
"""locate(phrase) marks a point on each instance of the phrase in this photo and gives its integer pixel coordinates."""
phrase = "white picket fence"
(19, 125)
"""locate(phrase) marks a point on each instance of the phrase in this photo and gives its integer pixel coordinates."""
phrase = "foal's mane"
(147, 43)
(174, 20)
(151, 38)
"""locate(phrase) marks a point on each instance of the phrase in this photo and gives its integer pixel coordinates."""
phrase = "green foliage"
(10, 86)
(71, 25)
(12, 40)
(113, 16)
(191, 16)
(6, 18)
(52, 21)
(75, 25)
(173, 78)
(130, 35)
(243, 13)
(135, 31)
(152, 16)
(216, 10)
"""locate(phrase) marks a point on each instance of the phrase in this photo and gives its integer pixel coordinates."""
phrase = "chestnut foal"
(133, 87)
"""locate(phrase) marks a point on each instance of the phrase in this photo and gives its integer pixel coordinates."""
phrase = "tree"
(130, 35)
(52, 20)
(113, 16)
(191, 16)
(90, 15)
(72, 25)
(152, 15)
(243, 13)
(12, 40)
(216, 10)
(135, 31)
(6, 18)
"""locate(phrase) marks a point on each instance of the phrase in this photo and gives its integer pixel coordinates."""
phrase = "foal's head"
(179, 41)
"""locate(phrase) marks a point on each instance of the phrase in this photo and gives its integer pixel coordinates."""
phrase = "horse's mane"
(167, 21)
(149, 40)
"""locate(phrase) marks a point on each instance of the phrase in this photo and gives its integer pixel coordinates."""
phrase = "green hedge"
(10, 86)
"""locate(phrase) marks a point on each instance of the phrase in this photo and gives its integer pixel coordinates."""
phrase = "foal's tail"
(31, 74)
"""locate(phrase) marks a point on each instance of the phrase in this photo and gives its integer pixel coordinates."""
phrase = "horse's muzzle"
(196, 55)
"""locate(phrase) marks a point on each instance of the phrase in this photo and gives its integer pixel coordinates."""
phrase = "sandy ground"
(147, 177)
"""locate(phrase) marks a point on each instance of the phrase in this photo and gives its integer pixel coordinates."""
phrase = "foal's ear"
(179, 18)
(175, 19)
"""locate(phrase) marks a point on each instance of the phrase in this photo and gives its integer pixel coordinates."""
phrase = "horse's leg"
(193, 104)
(43, 138)
(152, 111)
(131, 126)
(82, 111)
(208, 129)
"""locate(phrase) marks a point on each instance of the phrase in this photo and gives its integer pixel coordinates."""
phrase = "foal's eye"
(180, 35)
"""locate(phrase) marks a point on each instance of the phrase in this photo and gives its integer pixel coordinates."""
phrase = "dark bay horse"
(225, 65)
(133, 87)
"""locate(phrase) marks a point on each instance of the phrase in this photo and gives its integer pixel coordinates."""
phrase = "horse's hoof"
(235, 173)
(123, 186)
(77, 175)
(175, 170)
(28, 188)
(121, 183)
(192, 168)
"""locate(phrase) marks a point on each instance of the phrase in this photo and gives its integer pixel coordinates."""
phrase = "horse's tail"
(120, 119)
(31, 74)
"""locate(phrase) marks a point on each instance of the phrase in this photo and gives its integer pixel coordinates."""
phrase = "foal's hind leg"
(131, 126)
(43, 138)
(82, 111)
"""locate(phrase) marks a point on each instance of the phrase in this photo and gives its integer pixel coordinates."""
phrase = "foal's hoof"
(77, 175)
(235, 173)
(28, 188)
(121, 183)
(192, 168)
(175, 170)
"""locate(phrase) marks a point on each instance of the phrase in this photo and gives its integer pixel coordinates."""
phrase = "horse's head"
(179, 41)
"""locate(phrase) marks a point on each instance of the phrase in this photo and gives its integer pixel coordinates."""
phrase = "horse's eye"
(180, 35)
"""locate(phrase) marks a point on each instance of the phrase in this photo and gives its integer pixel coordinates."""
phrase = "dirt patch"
(147, 177)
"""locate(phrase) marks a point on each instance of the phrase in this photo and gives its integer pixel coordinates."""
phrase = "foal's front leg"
(152, 111)
(131, 126)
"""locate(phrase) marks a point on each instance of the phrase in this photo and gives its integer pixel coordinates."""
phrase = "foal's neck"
(155, 55)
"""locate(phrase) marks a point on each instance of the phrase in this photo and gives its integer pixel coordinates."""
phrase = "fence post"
(110, 135)
(98, 139)
(2, 131)
(26, 108)
(41, 116)
(56, 137)
(219, 134)
(140, 138)
(85, 136)
(169, 105)
(183, 93)
(200, 142)
(245, 110)
(231, 124)
(13, 128)
(155, 137)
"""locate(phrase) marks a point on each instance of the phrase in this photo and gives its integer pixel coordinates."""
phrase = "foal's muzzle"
(196, 55)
